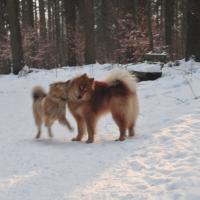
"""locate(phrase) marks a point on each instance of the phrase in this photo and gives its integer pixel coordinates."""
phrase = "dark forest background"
(54, 33)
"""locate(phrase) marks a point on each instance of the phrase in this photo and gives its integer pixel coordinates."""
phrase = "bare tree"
(193, 29)
(149, 23)
(15, 34)
(70, 14)
(169, 20)
(27, 13)
(88, 7)
(43, 31)
(2, 18)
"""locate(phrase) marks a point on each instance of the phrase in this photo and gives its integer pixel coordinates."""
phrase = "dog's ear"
(84, 75)
(67, 82)
(91, 80)
(52, 85)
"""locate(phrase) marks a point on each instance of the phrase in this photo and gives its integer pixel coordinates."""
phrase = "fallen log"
(146, 76)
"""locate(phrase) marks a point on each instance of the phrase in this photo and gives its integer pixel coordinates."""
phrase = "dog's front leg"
(81, 128)
(91, 128)
(48, 123)
(49, 131)
(63, 120)
(39, 124)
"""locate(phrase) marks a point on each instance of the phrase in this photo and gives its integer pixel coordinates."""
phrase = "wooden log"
(146, 76)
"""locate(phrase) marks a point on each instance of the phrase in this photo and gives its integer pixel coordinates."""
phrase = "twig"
(178, 99)
(190, 86)
(185, 76)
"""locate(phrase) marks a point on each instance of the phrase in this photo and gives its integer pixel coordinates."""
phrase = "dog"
(89, 99)
(49, 107)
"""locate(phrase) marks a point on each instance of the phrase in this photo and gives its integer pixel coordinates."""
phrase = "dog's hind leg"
(49, 131)
(39, 131)
(48, 124)
(38, 122)
(121, 124)
(65, 122)
(122, 131)
(131, 131)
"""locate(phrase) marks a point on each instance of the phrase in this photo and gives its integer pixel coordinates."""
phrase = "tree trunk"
(27, 13)
(184, 29)
(149, 22)
(169, 21)
(162, 22)
(89, 31)
(104, 44)
(42, 20)
(30, 18)
(15, 34)
(57, 32)
(70, 14)
(193, 29)
(35, 14)
(49, 6)
(62, 35)
(2, 19)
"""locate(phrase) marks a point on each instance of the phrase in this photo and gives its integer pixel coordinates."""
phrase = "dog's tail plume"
(124, 76)
(38, 92)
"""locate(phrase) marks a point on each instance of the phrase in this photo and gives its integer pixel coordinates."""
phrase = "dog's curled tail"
(124, 76)
(38, 92)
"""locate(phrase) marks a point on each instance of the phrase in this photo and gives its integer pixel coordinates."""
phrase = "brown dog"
(50, 107)
(89, 99)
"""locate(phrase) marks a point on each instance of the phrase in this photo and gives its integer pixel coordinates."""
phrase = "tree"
(70, 14)
(2, 18)
(15, 35)
(77, 32)
(169, 20)
(104, 40)
(49, 23)
(4, 39)
(193, 29)
(149, 23)
(88, 7)
(27, 13)
(43, 31)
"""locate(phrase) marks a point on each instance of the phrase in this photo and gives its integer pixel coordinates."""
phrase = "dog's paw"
(120, 139)
(89, 141)
(37, 136)
(131, 133)
(75, 139)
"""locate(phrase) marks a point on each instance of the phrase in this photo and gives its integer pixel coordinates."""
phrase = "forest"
(55, 33)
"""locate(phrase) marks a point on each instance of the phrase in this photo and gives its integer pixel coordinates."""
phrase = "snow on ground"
(161, 162)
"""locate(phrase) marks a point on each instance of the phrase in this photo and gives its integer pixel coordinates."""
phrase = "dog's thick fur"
(89, 99)
(50, 107)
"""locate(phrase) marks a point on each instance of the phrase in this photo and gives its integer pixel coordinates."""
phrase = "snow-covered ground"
(161, 162)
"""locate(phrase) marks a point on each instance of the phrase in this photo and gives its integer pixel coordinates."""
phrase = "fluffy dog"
(89, 99)
(50, 107)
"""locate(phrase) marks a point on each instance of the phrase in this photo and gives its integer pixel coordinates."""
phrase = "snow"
(161, 162)
(144, 67)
